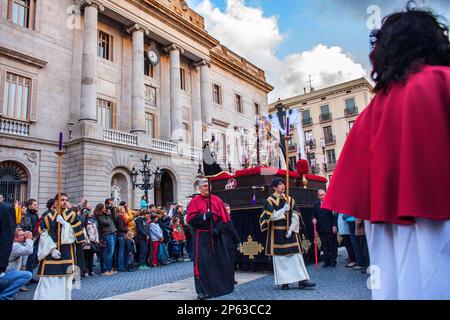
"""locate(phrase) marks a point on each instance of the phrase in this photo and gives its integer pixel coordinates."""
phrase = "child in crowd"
(130, 250)
(178, 238)
(156, 237)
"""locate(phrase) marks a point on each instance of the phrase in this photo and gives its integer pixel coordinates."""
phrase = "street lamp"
(146, 174)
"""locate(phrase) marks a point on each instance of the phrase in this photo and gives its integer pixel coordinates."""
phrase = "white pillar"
(137, 82)
(206, 93)
(196, 110)
(175, 91)
(88, 108)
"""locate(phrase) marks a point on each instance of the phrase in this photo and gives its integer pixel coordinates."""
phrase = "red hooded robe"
(395, 165)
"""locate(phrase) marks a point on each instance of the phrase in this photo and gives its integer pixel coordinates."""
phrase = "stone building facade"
(83, 68)
(327, 117)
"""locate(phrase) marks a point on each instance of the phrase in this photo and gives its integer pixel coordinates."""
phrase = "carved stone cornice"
(24, 58)
(138, 27)
(164, 14)
(202, 63)
(239, 72)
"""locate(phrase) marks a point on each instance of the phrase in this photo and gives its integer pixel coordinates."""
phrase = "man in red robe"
(394, 170)
(212, 262)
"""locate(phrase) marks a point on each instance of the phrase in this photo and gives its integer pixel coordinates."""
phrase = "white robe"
(289, 269)
(54, 288)
(409, 262)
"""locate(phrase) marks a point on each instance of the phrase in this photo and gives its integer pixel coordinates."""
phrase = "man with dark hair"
(32, 218)
(281, 219)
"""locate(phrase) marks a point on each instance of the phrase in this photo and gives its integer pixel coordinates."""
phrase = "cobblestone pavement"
(338, 283)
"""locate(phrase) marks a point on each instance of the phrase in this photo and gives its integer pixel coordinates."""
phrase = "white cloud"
(251, 34)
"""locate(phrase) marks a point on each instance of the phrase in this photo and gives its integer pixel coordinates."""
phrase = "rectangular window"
(105, 46)
(17, 97)
(257, 109)
(327, 132)
(350, 104)
(217, 93)
(331, 157)
(183, 79)
(186, 133)
(149, 69)
(325, 109)
(350, 124)
(104, 113)
(239, 107)
(308, 137)
(21, 12)
(150, 124)
(150, 96)
(292, 162)
(306, 117)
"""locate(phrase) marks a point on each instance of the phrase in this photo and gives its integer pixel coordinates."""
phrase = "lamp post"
(146, 174)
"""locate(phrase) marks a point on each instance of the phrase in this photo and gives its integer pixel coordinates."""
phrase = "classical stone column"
(137, 80)
(205, 89)
(88, 108)
(175, 92)
(196, 130)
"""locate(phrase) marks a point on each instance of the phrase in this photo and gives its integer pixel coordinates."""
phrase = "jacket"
(122, 226)
(326, 219)
(156, 232)
(130, 247)
(142, 228)
(18, 251)
(7, 224)
(106, 225)
(178, 233)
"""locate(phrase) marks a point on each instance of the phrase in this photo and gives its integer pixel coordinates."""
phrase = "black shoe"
(285, 287)
(33, 281)
(326, 265)
(202, 296)
(306, 284)
(235, 282)
(333, 265)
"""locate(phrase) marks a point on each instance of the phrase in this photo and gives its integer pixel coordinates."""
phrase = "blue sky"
(291, 29)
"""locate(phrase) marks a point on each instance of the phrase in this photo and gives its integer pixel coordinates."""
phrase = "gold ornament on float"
(251, 248)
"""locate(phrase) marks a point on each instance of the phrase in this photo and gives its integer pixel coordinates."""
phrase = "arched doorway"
(13, 182)
(165, 194)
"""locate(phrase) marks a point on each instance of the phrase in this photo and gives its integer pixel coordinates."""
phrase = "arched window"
(13, 182)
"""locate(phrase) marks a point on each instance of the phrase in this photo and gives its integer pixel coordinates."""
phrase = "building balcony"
(331, 167)
(164, 146)
(120, 137)
(311, 143)
(307, 122)
(293, 148)
(330, 140)
(350, 112)
(15, 127)
(325, 117)
(315, 169)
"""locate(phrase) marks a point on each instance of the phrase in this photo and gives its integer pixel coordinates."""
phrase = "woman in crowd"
(122, 230)
(107, 231)
(144, 202)
(143, 237)
(344, 231)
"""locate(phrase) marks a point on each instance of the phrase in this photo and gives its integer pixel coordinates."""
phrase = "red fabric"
(302, 166)
(222, 176)
(199, 205)
(176, 235)
(264, 170)
(313, 177)
(394, 167)
(155, 247)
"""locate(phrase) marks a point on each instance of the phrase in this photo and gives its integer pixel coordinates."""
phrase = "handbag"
(95, 247)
